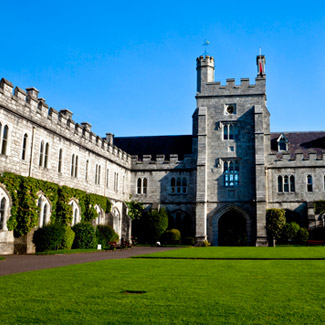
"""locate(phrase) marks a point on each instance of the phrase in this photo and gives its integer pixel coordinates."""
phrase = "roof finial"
(206, 44)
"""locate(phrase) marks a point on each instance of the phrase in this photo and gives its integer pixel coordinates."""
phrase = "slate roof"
(156, 145)
(305, 142)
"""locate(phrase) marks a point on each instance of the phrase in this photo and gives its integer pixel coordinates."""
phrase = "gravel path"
(24, 263)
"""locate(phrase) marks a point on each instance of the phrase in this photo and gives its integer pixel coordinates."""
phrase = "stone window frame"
(309, 183)
(76, 211)
(60, 161)
(74, 166)
(282, 143)
(178, 184)
(142, 185)
(86, 170)
(4, 138)
(226, 109)
(5, 199)
(44, 154)
(45, 209)
(107, 177)
(286, 183)
(24, 147)
(117, 220)
(97, 174)
(116, 185)
(100, 219)
(230, 131)
(231, 172)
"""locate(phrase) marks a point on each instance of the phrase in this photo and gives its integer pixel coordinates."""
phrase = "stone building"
(213, 183)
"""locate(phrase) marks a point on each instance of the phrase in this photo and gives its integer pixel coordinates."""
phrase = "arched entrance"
(232, 229)
(231, 226)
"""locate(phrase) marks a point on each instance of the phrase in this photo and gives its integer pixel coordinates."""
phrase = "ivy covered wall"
(25, 212)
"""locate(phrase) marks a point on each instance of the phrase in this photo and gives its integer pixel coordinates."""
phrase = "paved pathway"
(23, 263)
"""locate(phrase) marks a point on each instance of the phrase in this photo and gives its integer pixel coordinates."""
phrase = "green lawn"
(317, 252)
(177, 291)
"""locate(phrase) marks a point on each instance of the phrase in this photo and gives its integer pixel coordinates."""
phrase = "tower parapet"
(205, 71)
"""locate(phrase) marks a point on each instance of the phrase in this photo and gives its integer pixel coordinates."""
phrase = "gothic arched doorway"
(232, 229)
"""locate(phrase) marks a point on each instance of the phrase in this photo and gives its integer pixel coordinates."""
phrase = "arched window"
(60, 161)
(184, 184)
(309, 183)
(2, 213)
(76, 167)
(139, 185)
(46, 154)
(292, 184)
(72, 165)
(231, 173)
(86, 175)
(116, 221)
(286, 183)
(23, 152)
(76, 216)
(41, 153)
(145, 184)
(280, 184)
(172, 185)
(4, 140)
(44, 210)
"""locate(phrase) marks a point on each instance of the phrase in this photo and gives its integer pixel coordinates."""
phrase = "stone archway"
(232, 227)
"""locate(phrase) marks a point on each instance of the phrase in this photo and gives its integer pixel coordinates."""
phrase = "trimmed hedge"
(68, 238)
(49, 237)
(85, 236)
(172, 236)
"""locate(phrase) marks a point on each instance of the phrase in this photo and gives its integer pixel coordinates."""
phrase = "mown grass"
(243, 252)
(177, 291)
(68, 251)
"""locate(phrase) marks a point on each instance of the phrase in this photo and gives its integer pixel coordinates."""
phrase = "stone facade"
(226, 172)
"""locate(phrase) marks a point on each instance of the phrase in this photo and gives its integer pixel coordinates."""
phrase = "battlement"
(204, 60)
(174, 161)
(35, 109)
(231, 88)
(296, 159)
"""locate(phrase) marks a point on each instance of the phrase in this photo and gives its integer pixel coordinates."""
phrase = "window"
(44, 210)
(2, 213)
(60, 161)
(116, 182)
(107, 178)
(23, 152)
(4, 140)
(75, 212)
(142, 185)
(178, 185)
(97, 174)
(282, 143)
(43, 154)
(230, 109)
(286, 183)
(230, 131)
(86, 174)
(231, 173)
(309, 183)
(74, 165)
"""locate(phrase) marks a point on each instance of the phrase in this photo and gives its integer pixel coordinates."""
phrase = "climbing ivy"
(25, 212)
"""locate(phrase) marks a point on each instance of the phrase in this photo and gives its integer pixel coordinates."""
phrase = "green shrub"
(49, 237)
(205, 243)
(106, 234)
(172, 236)
(302, 236)
(68, 238)
(157, 223)
(275, 221)
(85, 235)
(289, 232)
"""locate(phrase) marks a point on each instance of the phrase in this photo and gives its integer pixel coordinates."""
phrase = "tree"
(275, 221)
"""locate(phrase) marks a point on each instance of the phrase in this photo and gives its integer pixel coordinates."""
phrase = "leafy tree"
(85, 235)
(106, 234)
(135, 209)
(289, 232)
(275, 221)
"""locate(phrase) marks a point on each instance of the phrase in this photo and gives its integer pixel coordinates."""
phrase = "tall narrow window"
(60, 161)
(144, 186)
(172, 185)
(41, 153)
(231, 173)
(178, 185)
(123, 184)
(139, 185)
(107, 177)
(44, 214)
(280, 184)
(72, 165)
(96, 173)
(184, 184)
(99, 172)
(86, 174)
(2, 212)
(46, 157)
(309, 183)
(5, 140)
(76, 167)
(286, 183)
(23, 152)
(292, 184)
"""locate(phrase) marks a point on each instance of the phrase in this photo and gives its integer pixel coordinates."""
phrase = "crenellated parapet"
(29, 106)
(146, 162)
(231, 88)
(297, 158)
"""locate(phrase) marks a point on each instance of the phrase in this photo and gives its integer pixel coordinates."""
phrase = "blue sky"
(128, 67)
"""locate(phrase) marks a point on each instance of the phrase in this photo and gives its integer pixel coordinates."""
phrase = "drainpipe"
(31, 153)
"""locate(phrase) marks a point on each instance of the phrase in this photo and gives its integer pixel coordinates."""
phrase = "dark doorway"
(232, 230)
